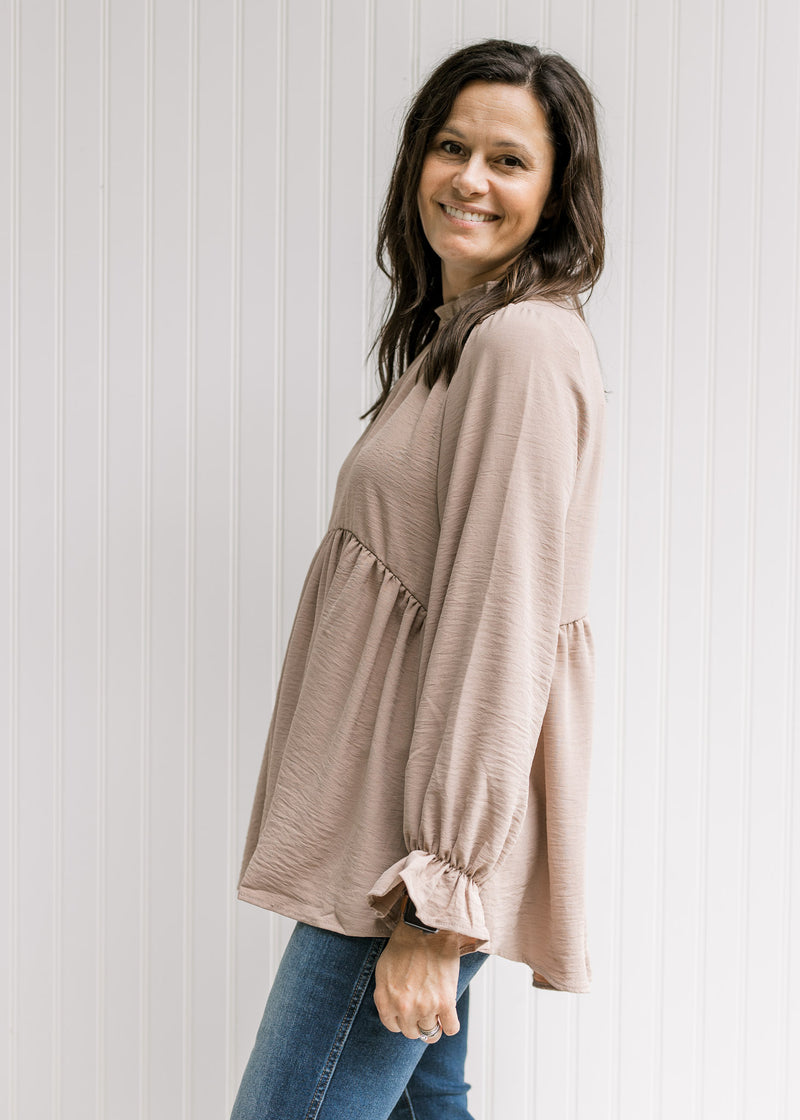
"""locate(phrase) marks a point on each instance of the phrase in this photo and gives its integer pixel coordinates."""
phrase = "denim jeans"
(322, 1053)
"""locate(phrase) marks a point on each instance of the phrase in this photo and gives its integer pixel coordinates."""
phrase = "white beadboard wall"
(188, 200)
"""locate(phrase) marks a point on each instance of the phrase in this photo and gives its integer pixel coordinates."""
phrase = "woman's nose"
(471, 178)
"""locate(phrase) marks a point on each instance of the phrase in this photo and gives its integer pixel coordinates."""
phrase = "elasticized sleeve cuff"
(445, 896)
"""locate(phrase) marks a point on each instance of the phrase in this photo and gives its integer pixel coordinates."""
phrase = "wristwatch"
(411, 919)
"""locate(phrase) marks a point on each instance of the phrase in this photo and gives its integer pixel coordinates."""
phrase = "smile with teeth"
(467, 216)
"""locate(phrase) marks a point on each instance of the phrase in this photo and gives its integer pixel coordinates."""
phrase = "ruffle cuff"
(444, 896)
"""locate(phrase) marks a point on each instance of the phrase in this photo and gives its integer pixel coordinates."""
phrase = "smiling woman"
(564, 255)
(485, 183)
(422, 800)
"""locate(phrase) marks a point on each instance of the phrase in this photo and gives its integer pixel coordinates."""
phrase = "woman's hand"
(416, 980)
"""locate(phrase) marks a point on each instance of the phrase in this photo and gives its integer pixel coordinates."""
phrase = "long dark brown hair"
(564, 256)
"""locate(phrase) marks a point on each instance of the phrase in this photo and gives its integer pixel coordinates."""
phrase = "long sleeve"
(513, 429)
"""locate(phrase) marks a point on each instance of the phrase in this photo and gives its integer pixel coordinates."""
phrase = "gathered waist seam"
(382, 563)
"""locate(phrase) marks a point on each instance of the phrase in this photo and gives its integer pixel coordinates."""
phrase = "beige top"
(433, 721)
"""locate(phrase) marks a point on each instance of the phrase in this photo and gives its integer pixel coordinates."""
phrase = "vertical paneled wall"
(188, 199)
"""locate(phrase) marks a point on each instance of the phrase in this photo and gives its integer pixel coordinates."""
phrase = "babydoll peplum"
(432, 725)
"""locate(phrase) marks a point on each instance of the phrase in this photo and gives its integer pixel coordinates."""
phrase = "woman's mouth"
(467, 215)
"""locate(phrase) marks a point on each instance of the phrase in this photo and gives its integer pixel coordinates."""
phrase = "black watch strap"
(411, 919)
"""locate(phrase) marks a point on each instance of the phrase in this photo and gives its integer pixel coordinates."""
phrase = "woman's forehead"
(507, 114)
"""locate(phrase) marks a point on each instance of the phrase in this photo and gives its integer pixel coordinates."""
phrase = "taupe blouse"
(432, 726)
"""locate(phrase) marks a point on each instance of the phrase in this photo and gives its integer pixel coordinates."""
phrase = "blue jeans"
(322, 1053)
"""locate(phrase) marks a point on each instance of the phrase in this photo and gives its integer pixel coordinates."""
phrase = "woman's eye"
(510, 161)
(451, 147)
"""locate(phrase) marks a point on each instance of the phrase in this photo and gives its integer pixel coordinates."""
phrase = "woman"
(422, 798)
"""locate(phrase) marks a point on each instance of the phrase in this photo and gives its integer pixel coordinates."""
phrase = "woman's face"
(485, 182)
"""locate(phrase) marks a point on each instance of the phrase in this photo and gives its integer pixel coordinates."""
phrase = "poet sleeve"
(512, 432)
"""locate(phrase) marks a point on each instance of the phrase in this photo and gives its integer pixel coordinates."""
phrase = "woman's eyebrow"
(513, 144)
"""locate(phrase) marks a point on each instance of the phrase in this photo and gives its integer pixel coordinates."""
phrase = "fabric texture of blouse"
(432, 726)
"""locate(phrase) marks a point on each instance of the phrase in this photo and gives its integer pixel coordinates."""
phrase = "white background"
(188, 200)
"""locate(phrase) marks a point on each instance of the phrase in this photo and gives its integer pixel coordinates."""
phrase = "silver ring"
(426, 1036)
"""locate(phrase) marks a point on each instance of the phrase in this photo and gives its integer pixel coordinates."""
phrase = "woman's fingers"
(408, 1013)
(412, 1026)
(449, 1020)
(399, 1012)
